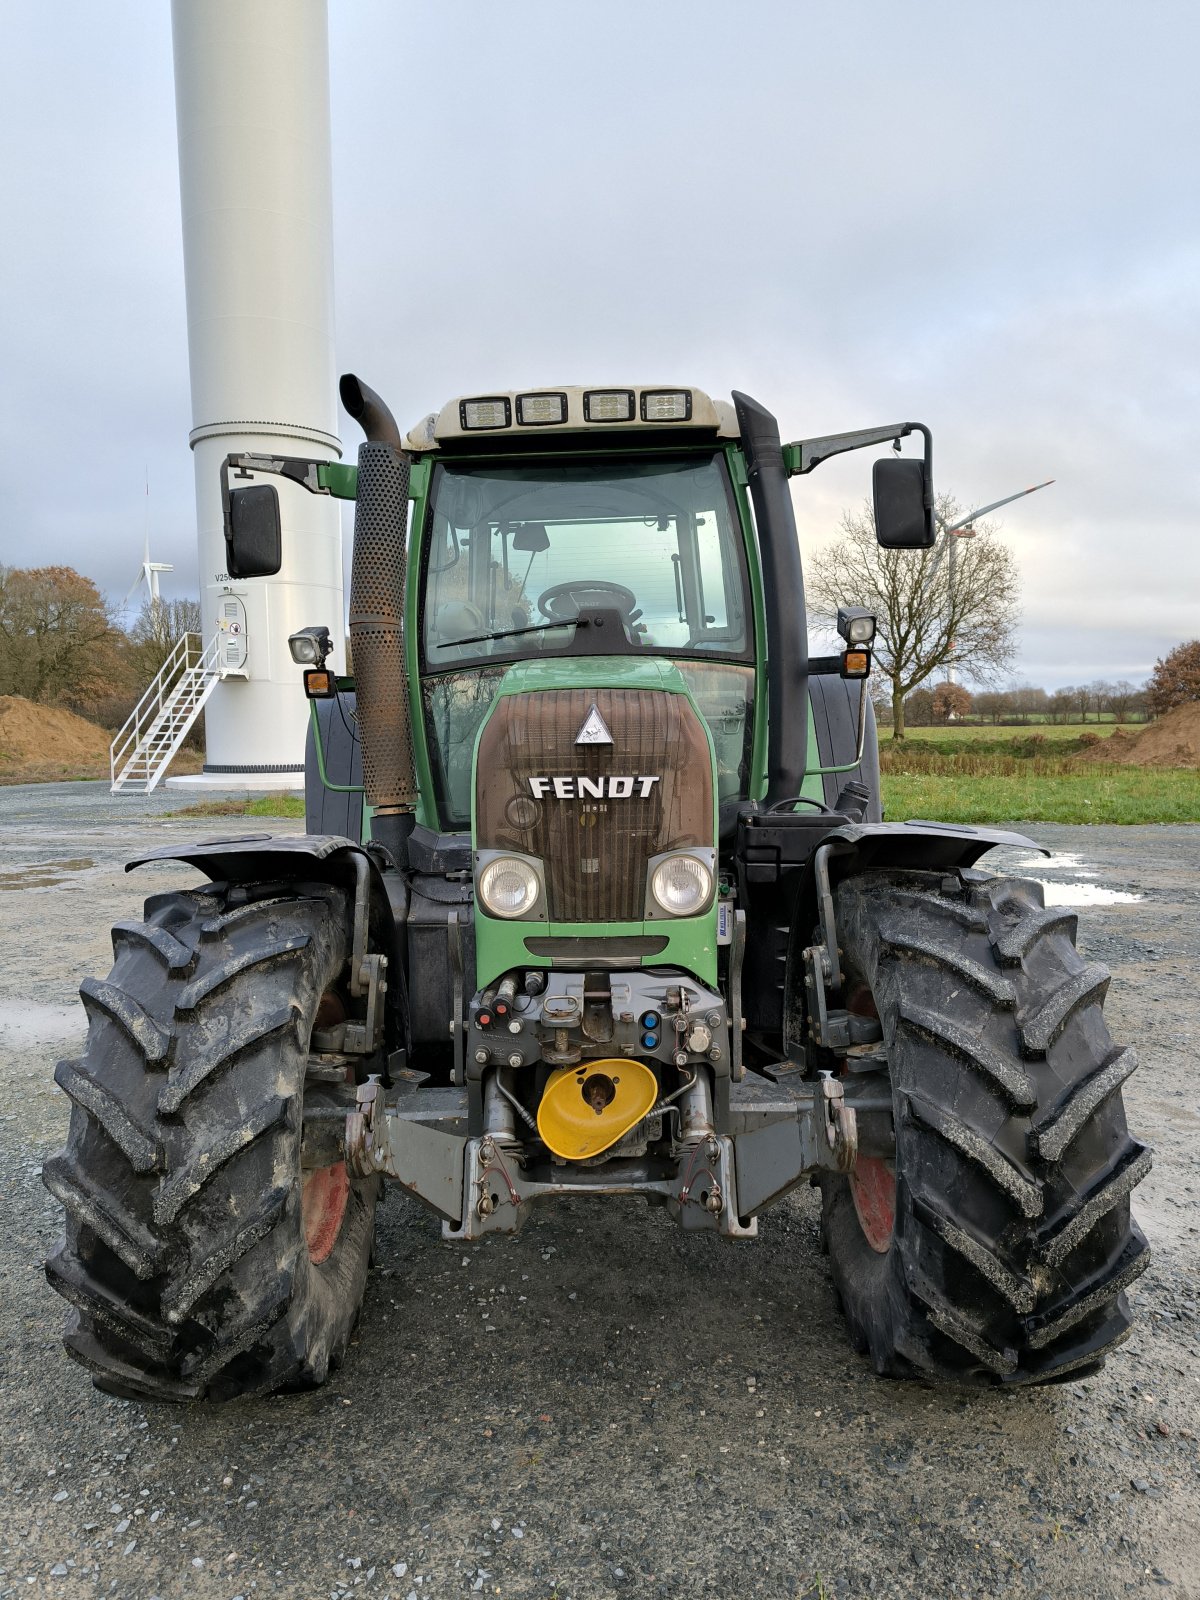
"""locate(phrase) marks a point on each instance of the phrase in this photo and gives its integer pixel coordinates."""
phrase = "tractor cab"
(612, 539)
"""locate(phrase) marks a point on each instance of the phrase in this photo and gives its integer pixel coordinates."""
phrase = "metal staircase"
(163, 717)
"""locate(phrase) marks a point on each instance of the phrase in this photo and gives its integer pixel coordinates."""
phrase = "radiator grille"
(595, 850)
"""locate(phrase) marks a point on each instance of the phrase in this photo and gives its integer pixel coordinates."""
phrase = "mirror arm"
(330, 478)
(318, 477)
(805, 454)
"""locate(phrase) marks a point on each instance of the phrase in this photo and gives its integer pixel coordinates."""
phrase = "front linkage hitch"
(780, 1131)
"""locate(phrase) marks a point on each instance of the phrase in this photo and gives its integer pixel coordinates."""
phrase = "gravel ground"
(600, 1406)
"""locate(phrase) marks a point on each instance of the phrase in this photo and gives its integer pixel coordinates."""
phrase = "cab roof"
(570, 409)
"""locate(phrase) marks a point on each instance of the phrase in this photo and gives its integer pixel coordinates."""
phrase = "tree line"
(1121, 701)
(62, 643)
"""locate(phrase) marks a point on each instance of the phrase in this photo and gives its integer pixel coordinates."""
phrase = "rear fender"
(875, 847)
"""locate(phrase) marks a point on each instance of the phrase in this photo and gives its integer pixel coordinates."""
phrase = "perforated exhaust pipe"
(377, 585)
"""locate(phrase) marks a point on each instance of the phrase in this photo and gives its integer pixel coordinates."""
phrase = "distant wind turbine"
(149, 570)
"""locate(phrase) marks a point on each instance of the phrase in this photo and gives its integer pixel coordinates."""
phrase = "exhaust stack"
(369, 411)
(377, 587)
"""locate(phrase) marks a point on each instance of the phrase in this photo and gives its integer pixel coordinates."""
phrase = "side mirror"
(903, 505)
(253, 543)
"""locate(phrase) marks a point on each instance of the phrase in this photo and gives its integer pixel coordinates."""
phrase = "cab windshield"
(516, 553)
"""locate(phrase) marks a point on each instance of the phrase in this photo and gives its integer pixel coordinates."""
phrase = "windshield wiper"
(511, 633)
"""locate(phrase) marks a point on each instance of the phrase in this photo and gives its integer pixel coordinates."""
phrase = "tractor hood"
(589, 774)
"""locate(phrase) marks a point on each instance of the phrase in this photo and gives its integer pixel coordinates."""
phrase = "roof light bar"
(666, 405)
(608, 405)
(489, 411)
(541, 410)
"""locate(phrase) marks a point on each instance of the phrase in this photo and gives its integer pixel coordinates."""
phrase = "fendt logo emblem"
(608, 787)
(594, 730)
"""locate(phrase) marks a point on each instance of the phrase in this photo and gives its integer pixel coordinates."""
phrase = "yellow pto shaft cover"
(586, 1109)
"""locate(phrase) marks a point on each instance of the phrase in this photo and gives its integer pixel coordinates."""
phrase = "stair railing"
(187, 655)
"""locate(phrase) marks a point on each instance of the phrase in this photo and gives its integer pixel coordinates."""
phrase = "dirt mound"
(1172, 741)
(37, 737)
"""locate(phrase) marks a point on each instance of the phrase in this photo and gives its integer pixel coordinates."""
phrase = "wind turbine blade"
(982, 511)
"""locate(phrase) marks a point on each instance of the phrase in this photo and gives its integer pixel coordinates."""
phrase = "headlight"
(508, 887)
(681, 885)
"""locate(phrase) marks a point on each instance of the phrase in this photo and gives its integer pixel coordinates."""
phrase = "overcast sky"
(981, 216)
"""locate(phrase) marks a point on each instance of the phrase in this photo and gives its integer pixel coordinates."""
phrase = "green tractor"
(595, 899)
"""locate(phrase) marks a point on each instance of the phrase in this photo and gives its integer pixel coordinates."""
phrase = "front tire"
(997, 1247)
(206, 1254)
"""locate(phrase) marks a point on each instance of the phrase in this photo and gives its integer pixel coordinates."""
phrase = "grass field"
(1093, 794)
(280, 804)
(989, 774)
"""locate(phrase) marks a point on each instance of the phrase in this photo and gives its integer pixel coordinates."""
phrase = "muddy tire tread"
(183, 1257)
(1014, 1244)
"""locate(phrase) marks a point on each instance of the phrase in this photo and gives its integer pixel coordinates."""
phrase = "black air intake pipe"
(783, 600)
(377, 584)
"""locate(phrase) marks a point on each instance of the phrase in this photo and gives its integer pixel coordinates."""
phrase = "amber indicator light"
(319, 685)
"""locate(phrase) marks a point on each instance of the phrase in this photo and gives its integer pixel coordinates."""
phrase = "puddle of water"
(1064, 861)
(1085, 894)
(23, 1023)
(1075, 892)
(44, 874)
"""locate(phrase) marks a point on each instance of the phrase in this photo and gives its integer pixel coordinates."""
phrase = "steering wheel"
(564, 601)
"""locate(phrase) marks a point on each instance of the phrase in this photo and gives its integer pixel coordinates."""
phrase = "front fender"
(379, 904)
(859, 846)
(878, 846)
(262, 857)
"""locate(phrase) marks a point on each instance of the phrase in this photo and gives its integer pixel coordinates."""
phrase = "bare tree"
(158, 629)
(1028, 701)
(921, 626)
(1062, 705)
(1121, 698)
(1102, 695)
(992, 704)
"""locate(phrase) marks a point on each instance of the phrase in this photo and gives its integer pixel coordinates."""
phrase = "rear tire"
(1010, 1242)
(202, 1257)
